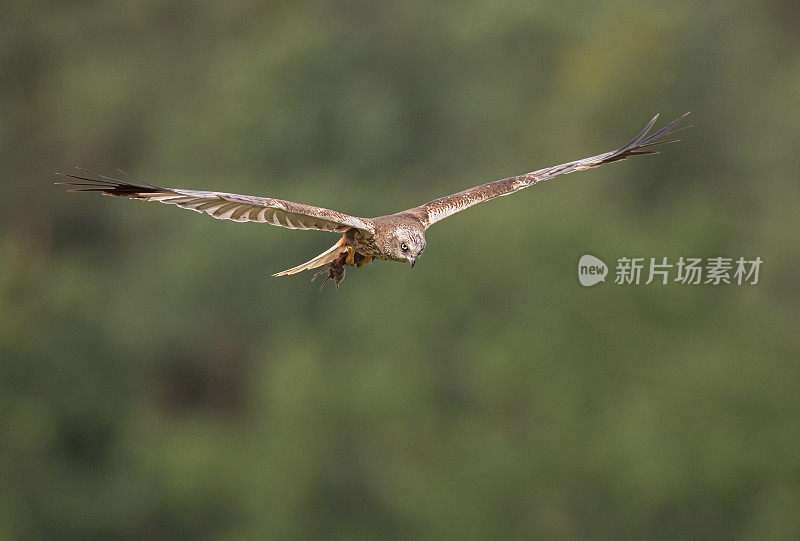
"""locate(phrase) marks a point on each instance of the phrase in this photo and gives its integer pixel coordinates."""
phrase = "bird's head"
(406, 244)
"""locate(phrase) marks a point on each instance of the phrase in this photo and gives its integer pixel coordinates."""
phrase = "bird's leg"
(335, 270)
(355, 258)
(360, 260)
(351, 254)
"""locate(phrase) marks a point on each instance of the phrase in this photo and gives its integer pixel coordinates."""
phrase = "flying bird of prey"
(396, 237)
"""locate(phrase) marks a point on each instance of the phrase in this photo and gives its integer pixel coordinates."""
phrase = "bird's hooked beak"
(414, 259)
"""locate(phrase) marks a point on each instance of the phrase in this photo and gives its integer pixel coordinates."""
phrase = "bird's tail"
(324, 258)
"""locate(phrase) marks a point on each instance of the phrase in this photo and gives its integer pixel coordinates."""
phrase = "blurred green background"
(157, 383)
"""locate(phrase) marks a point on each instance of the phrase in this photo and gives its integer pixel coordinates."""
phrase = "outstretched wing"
(225, 206)
(443, 207)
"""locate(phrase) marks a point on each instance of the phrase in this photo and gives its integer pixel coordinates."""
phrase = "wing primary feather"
(639, 136)
(116, 181)
(666, 130)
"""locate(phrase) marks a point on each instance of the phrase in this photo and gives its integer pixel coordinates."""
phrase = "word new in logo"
(591, 270)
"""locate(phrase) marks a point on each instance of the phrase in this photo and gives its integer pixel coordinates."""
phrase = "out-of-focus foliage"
(155, 382)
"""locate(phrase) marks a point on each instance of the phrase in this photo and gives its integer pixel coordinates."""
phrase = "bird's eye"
(404, 247)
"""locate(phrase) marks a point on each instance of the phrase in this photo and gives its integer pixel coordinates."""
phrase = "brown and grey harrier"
(397, 237)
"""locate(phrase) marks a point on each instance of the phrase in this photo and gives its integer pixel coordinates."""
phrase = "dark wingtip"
(634, 143)
(642, 140)
(669, 129)
(91, 181)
